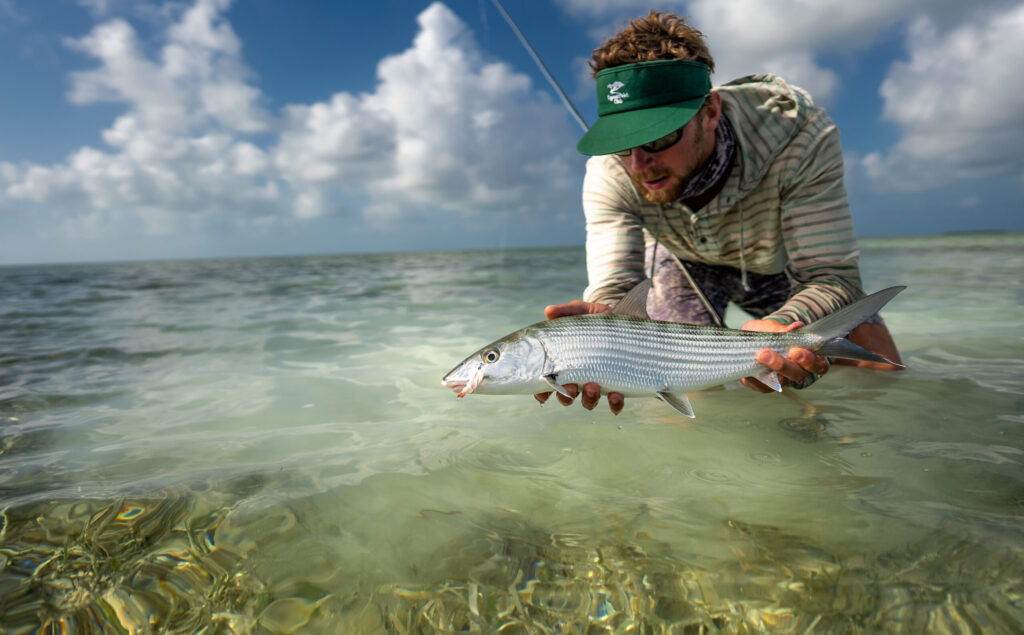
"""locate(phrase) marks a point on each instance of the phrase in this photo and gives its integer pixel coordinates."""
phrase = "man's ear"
(713, 111)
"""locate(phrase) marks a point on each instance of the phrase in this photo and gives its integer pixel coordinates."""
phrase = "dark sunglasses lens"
(660, 144)
(655, 146)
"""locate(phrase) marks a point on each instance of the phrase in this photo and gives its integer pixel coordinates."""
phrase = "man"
(728, 194)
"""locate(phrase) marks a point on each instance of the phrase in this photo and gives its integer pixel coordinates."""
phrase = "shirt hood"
(787, 109)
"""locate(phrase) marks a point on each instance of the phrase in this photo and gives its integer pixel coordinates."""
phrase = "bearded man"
(727, 194)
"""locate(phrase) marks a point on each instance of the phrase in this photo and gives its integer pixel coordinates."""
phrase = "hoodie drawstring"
(743, 257)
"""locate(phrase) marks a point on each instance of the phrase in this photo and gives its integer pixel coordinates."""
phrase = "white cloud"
(338, 140)
(795, 66)
(956, 101)
(174, 151)
(782, 37)
(443, 130)
(603, 7)
(804, 25)
(249, 159)
(479, 138)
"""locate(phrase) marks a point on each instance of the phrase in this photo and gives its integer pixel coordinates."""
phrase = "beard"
(669, 194)
(666, 195)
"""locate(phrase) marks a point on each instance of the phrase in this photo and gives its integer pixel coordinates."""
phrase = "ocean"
(264, 445)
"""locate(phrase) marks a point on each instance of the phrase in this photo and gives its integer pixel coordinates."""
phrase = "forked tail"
(834, 327)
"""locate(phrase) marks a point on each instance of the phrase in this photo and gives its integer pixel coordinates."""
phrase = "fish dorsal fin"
(677, 401)
(635, 302)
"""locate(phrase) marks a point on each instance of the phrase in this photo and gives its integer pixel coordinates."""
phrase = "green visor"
(638, 103)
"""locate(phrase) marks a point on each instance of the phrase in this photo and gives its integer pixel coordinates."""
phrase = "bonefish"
(626, 352)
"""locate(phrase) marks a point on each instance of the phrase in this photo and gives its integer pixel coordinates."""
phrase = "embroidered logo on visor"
(614, 95)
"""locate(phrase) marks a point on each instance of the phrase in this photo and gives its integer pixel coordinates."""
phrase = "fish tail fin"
(834, 327)
(842, 347)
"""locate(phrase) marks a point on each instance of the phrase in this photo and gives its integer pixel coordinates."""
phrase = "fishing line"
(583, 124)
(540, 63)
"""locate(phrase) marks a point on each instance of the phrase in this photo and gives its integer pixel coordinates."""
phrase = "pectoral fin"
(679, 402)
(550, 381)
(770, 378)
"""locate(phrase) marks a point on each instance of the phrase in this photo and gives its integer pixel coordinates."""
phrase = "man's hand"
(591, 397)
(576, 307)
(795, 366)
(591, 391)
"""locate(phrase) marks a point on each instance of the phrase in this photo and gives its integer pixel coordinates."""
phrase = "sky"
(136, 130)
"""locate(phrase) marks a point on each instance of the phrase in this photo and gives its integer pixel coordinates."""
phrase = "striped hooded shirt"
(783, 207)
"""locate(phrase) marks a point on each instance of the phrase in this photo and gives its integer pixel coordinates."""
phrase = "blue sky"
(206, 128)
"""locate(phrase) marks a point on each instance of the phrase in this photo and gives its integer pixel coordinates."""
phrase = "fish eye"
(491, 355)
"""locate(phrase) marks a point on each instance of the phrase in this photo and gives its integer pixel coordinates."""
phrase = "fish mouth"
(465, 387)
(456, 386)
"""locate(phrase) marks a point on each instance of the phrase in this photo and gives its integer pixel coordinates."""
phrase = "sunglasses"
(662, 143)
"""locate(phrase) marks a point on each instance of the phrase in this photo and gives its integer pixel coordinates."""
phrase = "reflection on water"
(263, 446)
(88, 566)
(176, 563)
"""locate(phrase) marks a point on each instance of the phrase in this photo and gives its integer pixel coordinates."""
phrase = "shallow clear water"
(264, 446)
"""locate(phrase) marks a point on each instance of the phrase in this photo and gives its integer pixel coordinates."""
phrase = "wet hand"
(795, 367)
(591, 391)
(576, 307)
(591, 397)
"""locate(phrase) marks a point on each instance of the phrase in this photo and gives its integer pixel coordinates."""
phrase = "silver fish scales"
(637, 356)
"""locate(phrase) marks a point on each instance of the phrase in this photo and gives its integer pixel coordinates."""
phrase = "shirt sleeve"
(615, 237)
(817, 227)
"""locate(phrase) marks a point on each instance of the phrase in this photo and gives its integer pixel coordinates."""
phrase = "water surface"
(263, 445)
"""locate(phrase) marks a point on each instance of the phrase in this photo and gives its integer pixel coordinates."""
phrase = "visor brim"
(624, 130)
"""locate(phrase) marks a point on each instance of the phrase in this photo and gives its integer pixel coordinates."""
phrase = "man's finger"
(591, 395)
(576, 307)
(541, 396)
(616, 402)
(784, 367)
(573, 390)
(809, 361)
(771, 359)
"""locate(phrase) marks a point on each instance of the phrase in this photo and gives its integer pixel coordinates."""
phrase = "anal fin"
(678, 401)
(770, 378)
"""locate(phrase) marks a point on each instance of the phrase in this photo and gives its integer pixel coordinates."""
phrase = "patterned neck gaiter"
(716, 166)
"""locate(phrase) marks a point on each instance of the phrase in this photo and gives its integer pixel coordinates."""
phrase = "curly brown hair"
(658, 36)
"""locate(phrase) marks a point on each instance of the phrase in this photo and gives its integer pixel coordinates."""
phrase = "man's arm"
(820, 242)
(817, 227)
(615, 237)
